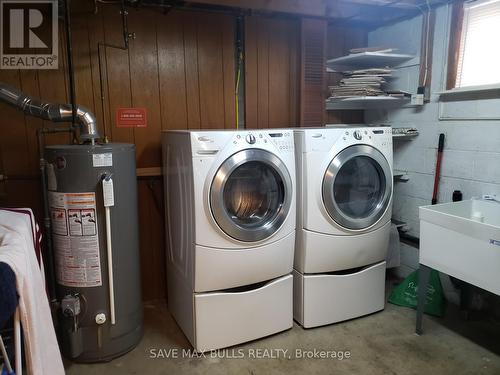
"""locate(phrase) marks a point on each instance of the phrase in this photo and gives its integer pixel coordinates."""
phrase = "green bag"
(406, 294)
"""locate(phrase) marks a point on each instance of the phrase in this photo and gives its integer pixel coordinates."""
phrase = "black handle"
(441, 142)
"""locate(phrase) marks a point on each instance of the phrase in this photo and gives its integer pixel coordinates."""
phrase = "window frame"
(454, 44)
(457, 22)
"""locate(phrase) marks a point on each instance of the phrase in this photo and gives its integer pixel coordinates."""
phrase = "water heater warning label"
(76, 239)
(102, 160)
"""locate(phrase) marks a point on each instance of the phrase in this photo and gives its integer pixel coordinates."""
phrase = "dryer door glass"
(250, 195)
(357, 187)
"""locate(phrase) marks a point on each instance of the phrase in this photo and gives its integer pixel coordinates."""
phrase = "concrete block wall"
(471, 160)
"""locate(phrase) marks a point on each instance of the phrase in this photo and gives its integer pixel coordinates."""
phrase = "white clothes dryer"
(344, 207)
(230, 207)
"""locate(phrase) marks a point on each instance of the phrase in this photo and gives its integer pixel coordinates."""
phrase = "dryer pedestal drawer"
(320, 253)
(217, 269)
(321, 299)
(223, 319)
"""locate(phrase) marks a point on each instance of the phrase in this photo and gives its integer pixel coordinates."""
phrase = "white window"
(479, 54)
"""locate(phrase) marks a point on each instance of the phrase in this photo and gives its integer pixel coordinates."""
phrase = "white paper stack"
(364, 82)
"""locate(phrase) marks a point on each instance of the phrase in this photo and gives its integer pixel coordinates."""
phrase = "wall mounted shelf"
(401, 225)
(400, 176)
(367, 60)
(149, 172)
(365, 102)
(404, 133)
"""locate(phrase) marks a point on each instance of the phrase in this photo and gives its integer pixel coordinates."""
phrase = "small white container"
(477, 216)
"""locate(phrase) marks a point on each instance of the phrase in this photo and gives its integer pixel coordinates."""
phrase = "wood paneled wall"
(180, 68)
(271, 72)
(19, 161)
(312, 72)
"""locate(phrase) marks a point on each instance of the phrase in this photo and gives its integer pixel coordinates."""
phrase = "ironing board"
(37, 239)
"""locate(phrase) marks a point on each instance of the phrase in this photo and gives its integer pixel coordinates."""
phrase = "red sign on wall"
(131, 118)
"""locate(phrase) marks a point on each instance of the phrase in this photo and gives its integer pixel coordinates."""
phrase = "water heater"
(92, 191)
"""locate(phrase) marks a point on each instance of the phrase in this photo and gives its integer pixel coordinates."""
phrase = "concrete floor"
(382, 343)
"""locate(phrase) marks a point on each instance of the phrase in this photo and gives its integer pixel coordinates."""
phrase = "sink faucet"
(490, 197)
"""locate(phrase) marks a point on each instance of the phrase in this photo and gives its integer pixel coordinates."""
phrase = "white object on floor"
(17, 250)
(344, 209)
(231, 221)
(393, 258)
(453, 243)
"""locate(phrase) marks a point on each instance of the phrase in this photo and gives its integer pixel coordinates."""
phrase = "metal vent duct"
(51, 112)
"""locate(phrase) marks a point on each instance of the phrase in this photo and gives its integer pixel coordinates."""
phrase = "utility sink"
(462, 239)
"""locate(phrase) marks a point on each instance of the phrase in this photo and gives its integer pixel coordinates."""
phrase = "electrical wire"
(237, 89)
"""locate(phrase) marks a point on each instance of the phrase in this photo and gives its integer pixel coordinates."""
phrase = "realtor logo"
(28, 35)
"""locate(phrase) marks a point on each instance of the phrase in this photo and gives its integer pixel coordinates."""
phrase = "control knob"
(250, 138)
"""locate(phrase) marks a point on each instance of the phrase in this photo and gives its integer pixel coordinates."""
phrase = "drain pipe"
(69, 54)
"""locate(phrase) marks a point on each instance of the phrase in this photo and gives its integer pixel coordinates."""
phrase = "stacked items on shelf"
(363, 82)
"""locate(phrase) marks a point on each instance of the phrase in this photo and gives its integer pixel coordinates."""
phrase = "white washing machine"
(344, 206)
(230, 206)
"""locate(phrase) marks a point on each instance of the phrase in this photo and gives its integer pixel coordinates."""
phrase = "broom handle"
(5, 356)
(438, 168)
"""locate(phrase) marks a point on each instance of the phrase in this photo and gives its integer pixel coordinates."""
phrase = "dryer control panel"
(210, 143)
(283, 140)
(377, 137)
(367, 135)
(326, 138)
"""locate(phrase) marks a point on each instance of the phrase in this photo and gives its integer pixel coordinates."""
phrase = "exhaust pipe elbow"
(51, 112)
(84, 117)
(88, 123)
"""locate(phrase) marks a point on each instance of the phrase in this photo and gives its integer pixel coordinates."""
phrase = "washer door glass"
(357, 187)
(250, 195)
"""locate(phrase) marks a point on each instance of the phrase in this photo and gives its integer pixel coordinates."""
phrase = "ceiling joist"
(370, 12)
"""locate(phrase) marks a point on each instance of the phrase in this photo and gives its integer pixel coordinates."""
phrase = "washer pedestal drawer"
(227, 318)
(321, 299)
